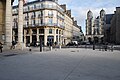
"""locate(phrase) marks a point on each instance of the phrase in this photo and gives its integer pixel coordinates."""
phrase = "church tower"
(89, 23)
(102, 21)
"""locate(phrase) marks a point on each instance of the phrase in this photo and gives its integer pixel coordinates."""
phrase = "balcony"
(33, 17)
(26, 17)
(40, 16)
(50, 15)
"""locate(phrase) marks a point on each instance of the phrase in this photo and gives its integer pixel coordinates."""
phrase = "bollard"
(40, 44)
(50, 47)
(93, 46)
(30, 49)
(60, 47)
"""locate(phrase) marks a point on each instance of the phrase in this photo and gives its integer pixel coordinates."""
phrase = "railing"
(44, 24)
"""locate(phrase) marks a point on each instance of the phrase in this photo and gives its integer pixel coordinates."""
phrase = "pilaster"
(55, 35)
(45, 36)
(20, 25)
(8, 24)
(37, 34)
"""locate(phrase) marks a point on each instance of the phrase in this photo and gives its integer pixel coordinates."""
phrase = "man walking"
(1, 47)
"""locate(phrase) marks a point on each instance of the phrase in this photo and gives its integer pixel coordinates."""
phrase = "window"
(34, 6)
(40, 14)
(50, 13)
(27, 23)
(28, 8)
(34, 31)
(40, 21)
(33, 15)
(57, 31)
(50, 5)
(33, 22)
(27, 31)
(50, 31)
(41, 31)
(50, 21)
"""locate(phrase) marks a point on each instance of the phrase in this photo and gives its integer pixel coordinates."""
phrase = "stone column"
(45, 36)
(20, 25)
(38, 35)
(8, 24)
(25, 37)
(58, 37)
(54, 35)
(30, 35)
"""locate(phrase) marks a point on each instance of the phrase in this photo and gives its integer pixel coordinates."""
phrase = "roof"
(32, 2)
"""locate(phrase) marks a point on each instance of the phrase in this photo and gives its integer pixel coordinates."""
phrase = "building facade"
(2, 19)
(44, 20)
(5, 22)
(107, 30)
(115, 27)
(95, 27)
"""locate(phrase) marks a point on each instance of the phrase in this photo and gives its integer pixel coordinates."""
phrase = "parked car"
(71, 44)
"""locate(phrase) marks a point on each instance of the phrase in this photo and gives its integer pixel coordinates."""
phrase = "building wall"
(2, 19)
(68, 31)
(115, 27)
(118, 25)
(40, 18)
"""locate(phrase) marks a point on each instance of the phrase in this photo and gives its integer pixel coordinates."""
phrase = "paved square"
(64, 64)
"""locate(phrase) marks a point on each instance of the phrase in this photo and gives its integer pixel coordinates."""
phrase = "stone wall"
(2, 19)
(118, 25)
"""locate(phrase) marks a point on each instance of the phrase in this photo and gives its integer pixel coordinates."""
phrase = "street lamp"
(40, 44)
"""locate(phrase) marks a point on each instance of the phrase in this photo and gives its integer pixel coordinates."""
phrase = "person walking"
(112, 47)
(1, 46)
(13, 45)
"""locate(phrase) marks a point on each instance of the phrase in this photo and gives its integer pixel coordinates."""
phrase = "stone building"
(107, 30)
(44, 20)
(115, 27)
(95, 27)
(5, 22)
(71, 31)
(2, 19)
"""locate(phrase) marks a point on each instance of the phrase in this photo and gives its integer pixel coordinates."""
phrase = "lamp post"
(40, 44)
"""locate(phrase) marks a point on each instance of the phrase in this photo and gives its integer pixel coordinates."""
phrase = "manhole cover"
(72, 51)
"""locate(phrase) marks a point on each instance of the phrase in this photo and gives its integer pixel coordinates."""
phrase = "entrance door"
(34, 40)
(42, 39)
(96, 39)
(27, 40)
(50, 39)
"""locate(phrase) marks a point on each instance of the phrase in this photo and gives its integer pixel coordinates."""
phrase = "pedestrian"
(112, 47)
(1, 46)
(106, 46)
(93, 45)
(13, 45)
(29, 47)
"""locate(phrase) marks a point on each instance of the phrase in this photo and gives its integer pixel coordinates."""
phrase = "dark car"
(71, 44)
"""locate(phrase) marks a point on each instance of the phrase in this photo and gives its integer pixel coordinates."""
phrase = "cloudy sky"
(80, 8)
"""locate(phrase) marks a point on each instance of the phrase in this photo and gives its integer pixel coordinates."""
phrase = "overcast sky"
(80, 8)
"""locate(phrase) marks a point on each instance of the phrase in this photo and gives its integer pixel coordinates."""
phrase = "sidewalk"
(13, 52)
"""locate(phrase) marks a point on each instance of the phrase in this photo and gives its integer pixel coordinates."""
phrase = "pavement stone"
(62, 64)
